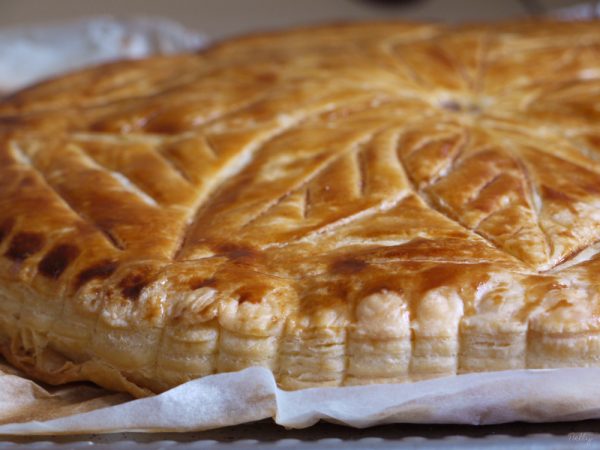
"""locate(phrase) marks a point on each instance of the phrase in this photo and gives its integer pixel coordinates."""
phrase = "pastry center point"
(456, 106)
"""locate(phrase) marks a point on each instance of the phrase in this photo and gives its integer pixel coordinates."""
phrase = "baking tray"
(266, 435)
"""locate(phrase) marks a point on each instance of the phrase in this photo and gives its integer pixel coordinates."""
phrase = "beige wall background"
(220, 18)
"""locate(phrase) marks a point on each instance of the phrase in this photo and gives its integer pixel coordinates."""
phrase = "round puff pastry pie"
(364, 203)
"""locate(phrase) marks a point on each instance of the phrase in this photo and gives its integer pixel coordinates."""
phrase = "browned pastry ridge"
(343, 205)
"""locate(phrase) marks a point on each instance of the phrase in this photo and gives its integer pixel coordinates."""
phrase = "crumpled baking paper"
(29, 54)
(583, 11)
(249, 395)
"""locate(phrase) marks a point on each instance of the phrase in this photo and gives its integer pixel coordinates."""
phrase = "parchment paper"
(250, 395)
(27, 408)
(28, 54)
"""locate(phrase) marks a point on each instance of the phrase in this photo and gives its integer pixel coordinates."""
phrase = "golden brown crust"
(344, 205)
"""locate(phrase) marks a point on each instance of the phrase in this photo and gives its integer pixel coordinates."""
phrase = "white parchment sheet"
(250, 395)
(32, 53)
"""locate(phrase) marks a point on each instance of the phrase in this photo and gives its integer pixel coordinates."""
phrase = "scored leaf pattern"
(289, 148)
